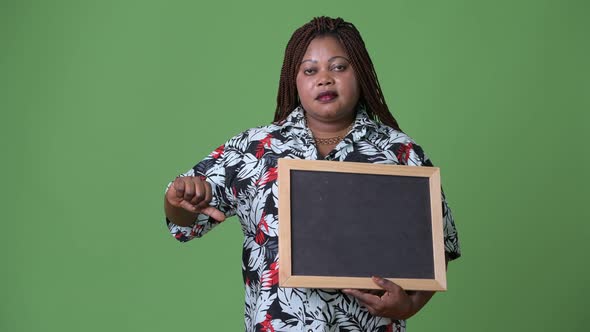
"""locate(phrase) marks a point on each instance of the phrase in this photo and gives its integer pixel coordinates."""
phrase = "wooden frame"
(288, 167)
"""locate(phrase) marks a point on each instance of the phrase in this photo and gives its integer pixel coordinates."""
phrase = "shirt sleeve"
(214, 170)
(412, 154)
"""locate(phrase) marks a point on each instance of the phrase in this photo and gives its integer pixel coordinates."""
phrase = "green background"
(103, 102)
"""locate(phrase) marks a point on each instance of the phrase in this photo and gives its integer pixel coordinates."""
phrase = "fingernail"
(378, 279)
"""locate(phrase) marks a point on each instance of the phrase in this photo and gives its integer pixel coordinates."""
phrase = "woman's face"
(326, 82)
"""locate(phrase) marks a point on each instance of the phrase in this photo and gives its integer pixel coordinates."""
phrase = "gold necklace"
(331, 140)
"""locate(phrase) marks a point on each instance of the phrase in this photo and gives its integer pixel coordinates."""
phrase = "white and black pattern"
(243, 174)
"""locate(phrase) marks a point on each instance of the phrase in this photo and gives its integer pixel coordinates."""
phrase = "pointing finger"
(213, 213)
(188, 206)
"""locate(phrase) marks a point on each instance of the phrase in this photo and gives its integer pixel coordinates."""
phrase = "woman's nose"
(325, 79)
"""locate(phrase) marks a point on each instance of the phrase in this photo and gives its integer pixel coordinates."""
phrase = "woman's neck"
(327, 135)
(329, 129)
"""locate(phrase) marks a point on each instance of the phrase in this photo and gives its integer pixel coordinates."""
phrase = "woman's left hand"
(394, 303)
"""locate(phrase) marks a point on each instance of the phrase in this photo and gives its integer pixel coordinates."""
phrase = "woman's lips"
(326, 96)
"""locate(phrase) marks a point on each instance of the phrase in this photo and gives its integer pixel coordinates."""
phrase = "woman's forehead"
(324, 48)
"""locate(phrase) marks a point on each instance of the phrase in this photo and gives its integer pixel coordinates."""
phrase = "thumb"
(386, 284)
(213, 213)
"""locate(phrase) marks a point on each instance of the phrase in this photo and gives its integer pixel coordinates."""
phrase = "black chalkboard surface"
(341, 223)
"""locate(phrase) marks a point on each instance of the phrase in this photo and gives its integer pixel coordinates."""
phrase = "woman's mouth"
(326, 96)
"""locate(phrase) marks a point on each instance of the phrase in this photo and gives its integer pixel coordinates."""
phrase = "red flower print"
(265, 142)
(404, 153)
(266, 325)
(259, 233)
(218, 152)
(268, 176)
(270, 277)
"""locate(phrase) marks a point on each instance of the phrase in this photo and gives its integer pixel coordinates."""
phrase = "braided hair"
(351, 40)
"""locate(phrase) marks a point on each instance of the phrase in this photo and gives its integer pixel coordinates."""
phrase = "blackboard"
(341, 223)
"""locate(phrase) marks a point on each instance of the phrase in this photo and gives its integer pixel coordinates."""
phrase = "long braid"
(287, 95)
(351, 40)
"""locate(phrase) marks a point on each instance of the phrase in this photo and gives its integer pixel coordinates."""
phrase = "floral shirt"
(243, 178)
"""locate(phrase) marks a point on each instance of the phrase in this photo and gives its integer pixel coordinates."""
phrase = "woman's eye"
(338, 67)
(308, 71)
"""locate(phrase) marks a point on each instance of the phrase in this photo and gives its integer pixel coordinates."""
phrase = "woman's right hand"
(193, 195)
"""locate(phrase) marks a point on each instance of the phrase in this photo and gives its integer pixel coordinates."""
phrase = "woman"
(329, 106)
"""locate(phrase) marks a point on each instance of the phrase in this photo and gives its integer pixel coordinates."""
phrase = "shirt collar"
(296, 122)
